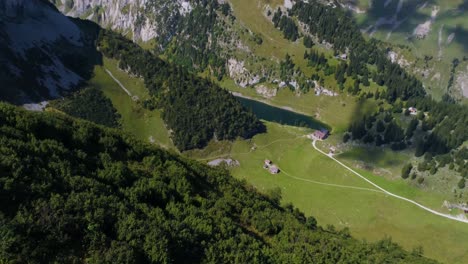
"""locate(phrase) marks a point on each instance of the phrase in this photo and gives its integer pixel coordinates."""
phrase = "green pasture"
(322, 188)
(144, 124)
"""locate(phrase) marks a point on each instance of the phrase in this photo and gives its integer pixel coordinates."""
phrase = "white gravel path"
(451, 217)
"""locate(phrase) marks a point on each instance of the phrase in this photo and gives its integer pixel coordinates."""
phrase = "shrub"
(420, 180)
(406, 170)
(461, 183)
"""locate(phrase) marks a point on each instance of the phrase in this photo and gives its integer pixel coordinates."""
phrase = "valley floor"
(320, 187)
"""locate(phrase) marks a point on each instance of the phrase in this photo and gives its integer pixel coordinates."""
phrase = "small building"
(332, 150)
(413, 110)
(274, 169)
(268, 162)
(321, 134)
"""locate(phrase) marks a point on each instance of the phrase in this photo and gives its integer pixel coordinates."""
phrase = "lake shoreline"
(280, 115)
(287, 108)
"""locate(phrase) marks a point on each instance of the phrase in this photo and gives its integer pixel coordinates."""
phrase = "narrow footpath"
(118, 82)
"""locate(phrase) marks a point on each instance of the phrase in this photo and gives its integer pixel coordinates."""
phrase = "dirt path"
(389, 193)
(289, 175)
(118, 82)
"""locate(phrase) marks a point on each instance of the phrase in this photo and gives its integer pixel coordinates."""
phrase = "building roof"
(274, 169)
(321, 133)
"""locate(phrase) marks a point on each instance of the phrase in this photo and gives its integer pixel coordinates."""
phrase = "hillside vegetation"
(196, 109)
(89, 104)
(445, 124)
(424, 36)
(90, 194)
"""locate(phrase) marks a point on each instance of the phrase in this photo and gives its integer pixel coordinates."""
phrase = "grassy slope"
(134, 118)
(448, 20)
(369, 215)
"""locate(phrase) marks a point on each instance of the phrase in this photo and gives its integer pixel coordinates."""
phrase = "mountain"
(61, 56)
(88, 194)
(78, 192)
(141, 19)
(429, 38)
(43, 53)
(203, 36)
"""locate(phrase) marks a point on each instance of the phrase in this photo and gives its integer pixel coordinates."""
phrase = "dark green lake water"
(281, 116)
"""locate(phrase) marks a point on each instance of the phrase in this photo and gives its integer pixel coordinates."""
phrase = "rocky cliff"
(143, 19)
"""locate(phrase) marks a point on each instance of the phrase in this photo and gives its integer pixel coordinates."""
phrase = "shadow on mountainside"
(411, 14)
(38, 64)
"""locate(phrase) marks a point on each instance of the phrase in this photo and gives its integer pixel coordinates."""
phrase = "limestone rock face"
(143, 19)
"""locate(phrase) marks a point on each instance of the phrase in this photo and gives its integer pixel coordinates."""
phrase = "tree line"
(195, 44)
(195, 109)
(286, 25)
(90, 104)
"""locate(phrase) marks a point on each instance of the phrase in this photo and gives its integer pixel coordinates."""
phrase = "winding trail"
(289, 175)
(389, 193)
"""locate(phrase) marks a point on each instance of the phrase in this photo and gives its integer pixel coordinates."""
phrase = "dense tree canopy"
(286, 24)
(196, 109)
(74, 192)
(89, 104)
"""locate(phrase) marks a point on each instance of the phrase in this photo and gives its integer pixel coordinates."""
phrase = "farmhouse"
(321, 134)
(413, 110)
(343, 56)
(274, 169)
(268, 165)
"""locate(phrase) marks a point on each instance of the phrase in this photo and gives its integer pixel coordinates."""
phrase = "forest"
(75, 192)
(285, 24)
(89, 104)
(336, 27)
(195, 109)
(195, 44)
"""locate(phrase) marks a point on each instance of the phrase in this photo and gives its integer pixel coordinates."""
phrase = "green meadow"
(320, 187)
(144, 124)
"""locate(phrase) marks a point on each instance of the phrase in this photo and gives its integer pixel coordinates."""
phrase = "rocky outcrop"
(398, 59)
(265, 91)
(461, 83)
(240, 74)
(143, 19)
